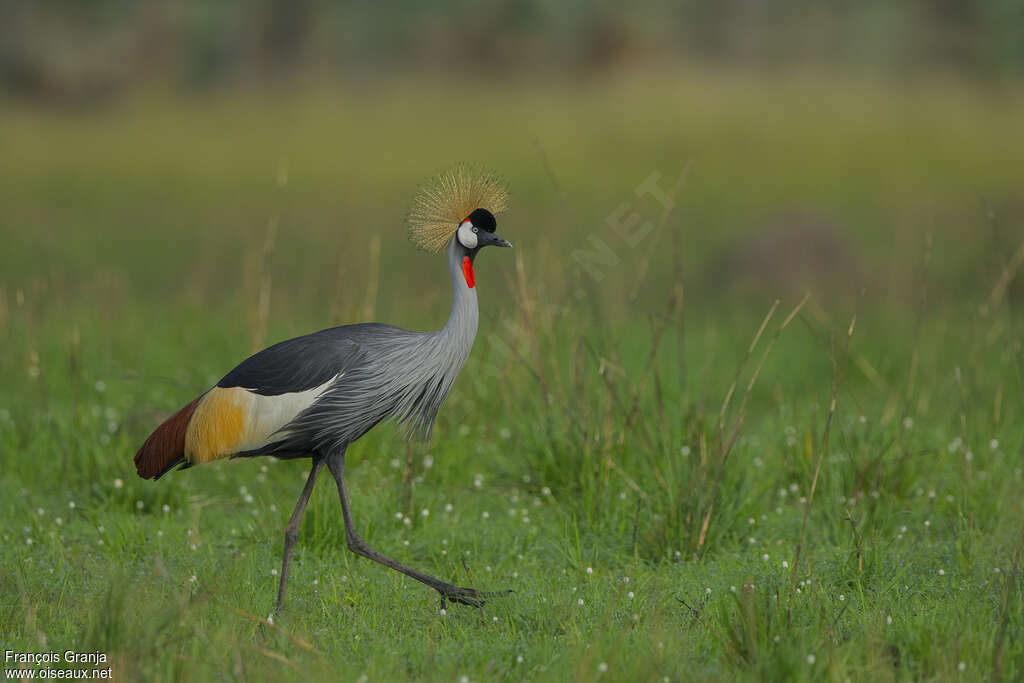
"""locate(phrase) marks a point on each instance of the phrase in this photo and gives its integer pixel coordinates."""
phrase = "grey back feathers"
(380, 372)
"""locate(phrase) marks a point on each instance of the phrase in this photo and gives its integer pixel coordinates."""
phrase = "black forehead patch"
(483, 219)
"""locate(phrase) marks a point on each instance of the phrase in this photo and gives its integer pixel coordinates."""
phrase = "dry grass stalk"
(726, 446)
(814, 479)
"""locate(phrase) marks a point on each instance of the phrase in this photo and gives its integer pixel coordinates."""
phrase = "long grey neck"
(460, 330)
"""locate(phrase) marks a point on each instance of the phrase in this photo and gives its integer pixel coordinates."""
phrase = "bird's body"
(318, 392)
(312, 396)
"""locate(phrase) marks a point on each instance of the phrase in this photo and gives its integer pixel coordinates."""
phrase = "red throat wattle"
(467, 270)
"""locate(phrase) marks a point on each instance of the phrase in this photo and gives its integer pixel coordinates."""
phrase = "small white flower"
(449, 507)
(630, 595)
(927, 522)
(888, 619)
(159, 532)
(707, 591)
(139, 504)
(961, 666)
(192, 579)
(118, 483)
(505, 433)
(942, 572)
(546, 491)
(519, 659)
(842, 597)
(785, 565)
(993, 444)
(486, 514)
(100, 385)
(766, 557)
(71, 504)
(425, 512)
(166, 507)
(811, 659)
(602, 667)
(28, 541)
(406, 521)
(580, 602)
(273, 572)
(590, 570)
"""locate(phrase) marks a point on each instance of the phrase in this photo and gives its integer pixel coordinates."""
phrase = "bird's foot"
(467, 596)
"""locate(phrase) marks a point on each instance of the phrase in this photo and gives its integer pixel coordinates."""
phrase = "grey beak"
(492, 240)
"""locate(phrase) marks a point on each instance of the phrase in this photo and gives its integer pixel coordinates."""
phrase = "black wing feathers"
(303, 362)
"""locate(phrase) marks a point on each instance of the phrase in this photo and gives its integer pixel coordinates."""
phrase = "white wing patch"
(268, 414)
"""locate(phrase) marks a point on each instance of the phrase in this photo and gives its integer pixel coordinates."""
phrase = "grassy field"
(776, 434)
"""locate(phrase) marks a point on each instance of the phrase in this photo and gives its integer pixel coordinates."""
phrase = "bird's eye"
(475, 229)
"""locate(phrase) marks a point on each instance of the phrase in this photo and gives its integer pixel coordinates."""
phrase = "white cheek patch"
(467, 237)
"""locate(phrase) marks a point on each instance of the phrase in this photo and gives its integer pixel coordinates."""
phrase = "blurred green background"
(183, 183)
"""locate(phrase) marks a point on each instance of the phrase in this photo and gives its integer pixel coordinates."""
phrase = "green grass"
(585, 453)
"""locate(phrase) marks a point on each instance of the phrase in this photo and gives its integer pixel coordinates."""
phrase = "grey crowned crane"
(313, 396)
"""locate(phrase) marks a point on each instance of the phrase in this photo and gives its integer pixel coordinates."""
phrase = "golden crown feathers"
(446, 200)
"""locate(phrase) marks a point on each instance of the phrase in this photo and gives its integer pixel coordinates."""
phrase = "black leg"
(291, 531)
(466, 596)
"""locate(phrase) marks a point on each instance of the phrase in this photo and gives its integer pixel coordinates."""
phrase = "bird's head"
(478, 231)
(475, 233)
(458, 206)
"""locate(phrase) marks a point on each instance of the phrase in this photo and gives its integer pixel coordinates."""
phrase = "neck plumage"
(460, 330)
